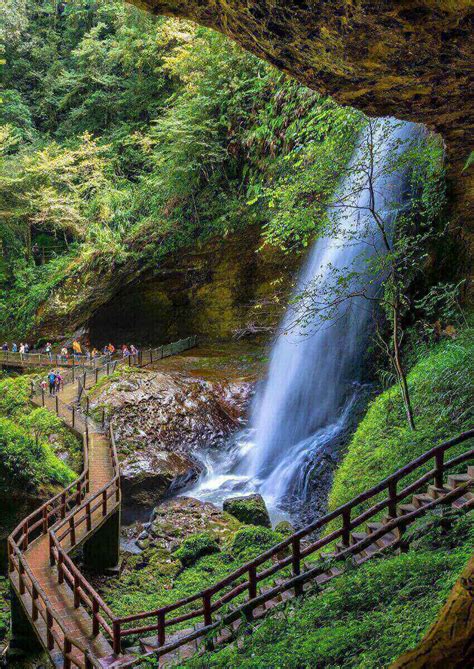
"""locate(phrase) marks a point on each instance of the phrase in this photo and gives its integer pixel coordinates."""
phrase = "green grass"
(156, 577)
(365, 618)
(443, 398)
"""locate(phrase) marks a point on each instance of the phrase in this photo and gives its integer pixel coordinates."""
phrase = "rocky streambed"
(163, 417)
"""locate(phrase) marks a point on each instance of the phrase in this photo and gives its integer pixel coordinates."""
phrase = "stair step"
(456, 480)
(462, 501)
(436, 492)
(404, 509)
(421, 499)
(370, 550)
(357, 536)
(374, 527)
(470, 471)
(386, 539)
(151, 642)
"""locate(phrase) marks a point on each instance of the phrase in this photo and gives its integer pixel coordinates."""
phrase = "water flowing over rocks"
(160, 420)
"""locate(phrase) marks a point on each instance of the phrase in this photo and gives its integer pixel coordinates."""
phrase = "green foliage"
(195, 547)
(29, 441)
(124, 137)
(364, 618)
(441, 387)
(250, 541)
(27, 464)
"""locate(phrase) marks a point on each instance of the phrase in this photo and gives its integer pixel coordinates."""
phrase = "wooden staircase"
(78, 629)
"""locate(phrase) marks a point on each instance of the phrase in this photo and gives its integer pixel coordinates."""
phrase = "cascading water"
(316, 362)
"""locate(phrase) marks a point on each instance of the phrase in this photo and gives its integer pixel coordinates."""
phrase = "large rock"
(160, 421)
(250, 510)
(177, 519)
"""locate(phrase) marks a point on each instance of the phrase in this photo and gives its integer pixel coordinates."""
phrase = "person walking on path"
(64, 354)
(58, 382)
(52, 382)
(14, 348)
(22, 351)
(49, 350)
(76, 347)
(5, 347)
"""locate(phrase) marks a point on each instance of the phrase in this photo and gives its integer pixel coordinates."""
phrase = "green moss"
(443, 399)
(251, 541)
(250, 510)
(365, 618)
(4, 610)
(195, 547)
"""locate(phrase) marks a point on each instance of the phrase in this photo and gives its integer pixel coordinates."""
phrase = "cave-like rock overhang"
(412, 59)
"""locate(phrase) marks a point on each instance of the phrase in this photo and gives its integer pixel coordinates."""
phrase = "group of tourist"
(55, 382)
(78, 351)
(22, 349)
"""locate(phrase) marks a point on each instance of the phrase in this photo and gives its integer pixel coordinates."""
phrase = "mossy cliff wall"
(407, 58)
(209, 290)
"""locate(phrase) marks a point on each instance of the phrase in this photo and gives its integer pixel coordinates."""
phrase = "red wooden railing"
(247, 578)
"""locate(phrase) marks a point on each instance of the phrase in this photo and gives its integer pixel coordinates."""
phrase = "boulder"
(177, 519)
(250, 510)
(161, 420)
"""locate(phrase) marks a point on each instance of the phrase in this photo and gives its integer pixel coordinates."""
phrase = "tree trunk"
(399, 368)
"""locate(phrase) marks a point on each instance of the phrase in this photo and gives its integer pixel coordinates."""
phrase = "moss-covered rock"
(285, 528)
(250, 510)
(249, 542)
(195, 547)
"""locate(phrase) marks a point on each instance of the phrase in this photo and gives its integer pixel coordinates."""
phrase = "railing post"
(87, 403)
(438, 478)
(161, 628)
(88, 517)
(104, 502)
(57, 405)
(252, 582)
(73, 368)
(296, 562)
(63, 505)
(60, 568)
(34, 605)
(49, 634)
(66, 653)
(392, 498)
(42, 397)
(117, 645)
(206, 605)
(72, 529)
(45, 520)
(96, 374)
(73, 416)
(103, 417)
(77, 597)
(346, 527)
(51, 551)
(95, 620)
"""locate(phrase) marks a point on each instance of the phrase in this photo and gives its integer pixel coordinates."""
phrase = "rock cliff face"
(411, 59)
(208, 290)
(160, 420)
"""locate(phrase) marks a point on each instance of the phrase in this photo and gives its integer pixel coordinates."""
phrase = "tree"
(384, 210)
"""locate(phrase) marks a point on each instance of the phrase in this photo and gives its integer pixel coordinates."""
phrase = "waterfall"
(317, 359)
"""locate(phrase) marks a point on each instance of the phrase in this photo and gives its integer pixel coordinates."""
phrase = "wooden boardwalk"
(79, 630)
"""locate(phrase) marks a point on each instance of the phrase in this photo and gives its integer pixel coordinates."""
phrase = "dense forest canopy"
(125, 136)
